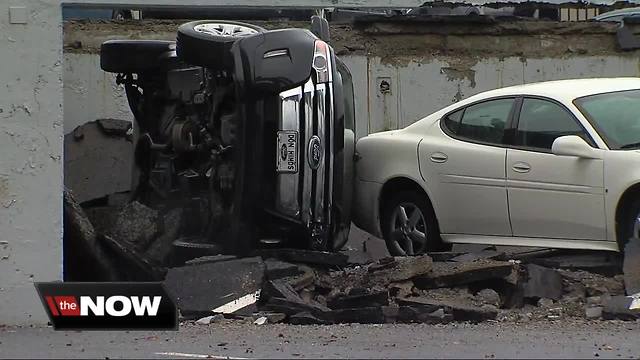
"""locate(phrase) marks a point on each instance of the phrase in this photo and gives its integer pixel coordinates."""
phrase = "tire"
(133, 56)
(203, 43)
(320, 28)
(398, 237)
(628, 224)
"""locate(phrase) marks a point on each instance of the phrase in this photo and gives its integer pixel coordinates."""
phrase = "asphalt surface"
(240, 339)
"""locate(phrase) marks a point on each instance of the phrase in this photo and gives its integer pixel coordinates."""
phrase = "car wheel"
(410, 226)
(133, 56)
(630, 225)
(207, 42)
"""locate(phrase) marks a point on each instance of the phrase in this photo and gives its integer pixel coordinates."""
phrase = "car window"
(452, 121)
(542, 121)
(485, 122)
(616, 116)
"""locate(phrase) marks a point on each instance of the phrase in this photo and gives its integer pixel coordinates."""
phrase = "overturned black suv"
(249, 131)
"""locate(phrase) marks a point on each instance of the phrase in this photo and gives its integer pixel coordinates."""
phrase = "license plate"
(287, 156)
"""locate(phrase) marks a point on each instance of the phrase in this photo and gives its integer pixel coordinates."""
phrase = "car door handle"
(521, 167)
(438, 157)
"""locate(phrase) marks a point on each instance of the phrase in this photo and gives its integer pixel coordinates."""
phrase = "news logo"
(108, 306)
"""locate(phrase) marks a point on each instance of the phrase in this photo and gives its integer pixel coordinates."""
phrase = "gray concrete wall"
(31, 162)
(90, 93)
(418, 88)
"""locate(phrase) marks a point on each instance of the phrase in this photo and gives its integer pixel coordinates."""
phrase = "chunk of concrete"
(276, 269)
(594, 284)
(593, 312)
(480, 255)
(85, 258)
(225, 287)
(114, 127)
(459, 311)
(366, 299)
(169, 229)
(362, 315)
(319, 258)
(306, 318)
(381, 273)
(600, 262)
(621, 307)
(543, 283)
(449, 274)
(489, 297)
(631, 266)
(136, 224)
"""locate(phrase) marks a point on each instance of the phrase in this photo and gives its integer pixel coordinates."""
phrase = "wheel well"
(395, 186)
(622, 210)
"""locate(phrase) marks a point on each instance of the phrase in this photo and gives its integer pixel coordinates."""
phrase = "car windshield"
(616, 116)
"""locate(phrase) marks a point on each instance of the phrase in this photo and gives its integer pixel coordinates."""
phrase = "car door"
(552, 196)
(463, 165)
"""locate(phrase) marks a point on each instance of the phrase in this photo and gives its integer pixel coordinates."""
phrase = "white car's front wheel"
(409, 225)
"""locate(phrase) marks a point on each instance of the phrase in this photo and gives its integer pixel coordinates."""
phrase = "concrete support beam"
(31, 130)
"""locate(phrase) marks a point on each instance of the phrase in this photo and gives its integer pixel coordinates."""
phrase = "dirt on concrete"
(396, 41)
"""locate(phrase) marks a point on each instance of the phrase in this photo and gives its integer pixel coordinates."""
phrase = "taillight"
(321, 58)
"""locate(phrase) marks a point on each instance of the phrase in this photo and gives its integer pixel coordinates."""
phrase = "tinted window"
(616, 116)
(485, 122)
(542, 121)
(452, 121)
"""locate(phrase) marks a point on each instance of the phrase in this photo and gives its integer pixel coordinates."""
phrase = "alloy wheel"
(227, 30)
(408, 229)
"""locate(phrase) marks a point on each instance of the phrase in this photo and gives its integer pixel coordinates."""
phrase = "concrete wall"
(31, 161)
(418, 87)
(90, 93)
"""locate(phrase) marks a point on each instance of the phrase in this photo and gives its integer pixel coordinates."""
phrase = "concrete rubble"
(133, 242)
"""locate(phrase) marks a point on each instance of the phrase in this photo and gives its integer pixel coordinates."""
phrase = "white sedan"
(552, 164)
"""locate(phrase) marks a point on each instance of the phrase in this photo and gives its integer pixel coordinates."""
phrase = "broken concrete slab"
(136, 224)
(448, 274)
(381, 273)
(306, 318)
(279, 289)
(170, 226)
(421, 314)
(361, 315)
(542, 283)
(359, 300)
(621, 307)
(481, 255)
(114, 127)
(85, 258)
(601, 262)
(459, 311)
(225, 287)
(276, 269)
(131, 264)
(631, 266)
(594, 284)
(320, 258)
(292, 306)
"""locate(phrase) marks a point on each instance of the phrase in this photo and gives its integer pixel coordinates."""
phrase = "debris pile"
(309, 287)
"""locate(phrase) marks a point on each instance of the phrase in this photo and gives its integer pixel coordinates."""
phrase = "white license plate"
(287, 156)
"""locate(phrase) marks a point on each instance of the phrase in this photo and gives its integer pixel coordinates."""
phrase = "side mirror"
(572, 145)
